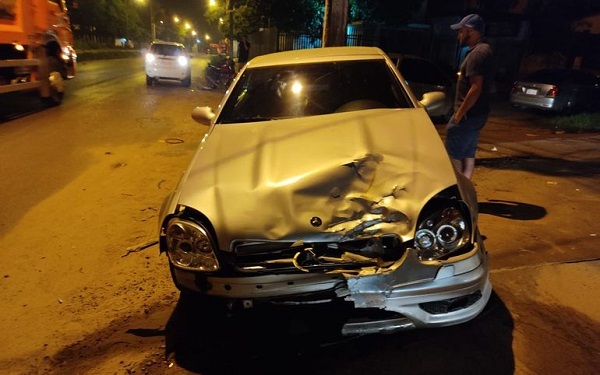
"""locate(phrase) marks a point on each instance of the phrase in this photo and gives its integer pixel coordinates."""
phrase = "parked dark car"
(423, 75)
(557, 90)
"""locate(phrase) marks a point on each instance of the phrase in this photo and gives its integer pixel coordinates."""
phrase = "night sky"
(191, 10)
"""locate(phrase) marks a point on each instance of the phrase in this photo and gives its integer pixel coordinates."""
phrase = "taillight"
(553, 92)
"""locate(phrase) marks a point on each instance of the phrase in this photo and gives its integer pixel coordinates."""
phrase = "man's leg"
(468, 165)
(464, 166)
(457, 164)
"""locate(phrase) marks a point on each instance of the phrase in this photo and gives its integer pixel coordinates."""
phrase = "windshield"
(300, 90)
(166, 50)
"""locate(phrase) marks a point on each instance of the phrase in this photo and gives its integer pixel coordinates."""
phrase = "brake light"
(553, 92)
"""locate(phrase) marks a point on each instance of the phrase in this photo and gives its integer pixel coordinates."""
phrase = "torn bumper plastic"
(420, 294)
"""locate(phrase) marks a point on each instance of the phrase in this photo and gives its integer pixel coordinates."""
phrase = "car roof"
(558, 73)
(317, 55)
(167, 43)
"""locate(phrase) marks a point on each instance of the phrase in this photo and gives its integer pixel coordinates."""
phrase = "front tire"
(186, 82)
(149, 81)
(56, 80)
(57, 91)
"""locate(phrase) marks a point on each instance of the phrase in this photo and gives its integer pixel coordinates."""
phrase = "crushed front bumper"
(418, 294)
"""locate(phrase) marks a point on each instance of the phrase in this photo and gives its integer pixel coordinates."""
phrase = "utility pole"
(152, 23)
(230, 13)
(335, 23)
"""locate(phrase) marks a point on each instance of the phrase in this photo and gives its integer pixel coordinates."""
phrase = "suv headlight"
(190, 246)
(182, 60)
(442, 233)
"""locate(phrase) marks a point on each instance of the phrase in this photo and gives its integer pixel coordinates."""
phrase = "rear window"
(422, 71)
(583, 78)
(166, 50)
(547, 76)
(558, 76)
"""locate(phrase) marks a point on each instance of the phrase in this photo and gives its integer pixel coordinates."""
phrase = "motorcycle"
(220, 72)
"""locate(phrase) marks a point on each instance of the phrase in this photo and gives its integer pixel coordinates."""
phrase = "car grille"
(295, 257)
(452, 304)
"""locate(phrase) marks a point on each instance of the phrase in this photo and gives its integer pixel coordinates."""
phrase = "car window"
(583, 78)
(422, 71)
(166, 50)
(313, 89)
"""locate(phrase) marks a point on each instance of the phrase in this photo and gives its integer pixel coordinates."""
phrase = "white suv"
(168, 60)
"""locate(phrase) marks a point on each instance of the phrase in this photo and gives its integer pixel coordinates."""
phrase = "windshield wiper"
(245, 119)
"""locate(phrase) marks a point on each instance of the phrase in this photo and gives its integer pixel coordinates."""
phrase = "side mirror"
(433, 101)
(203, 115)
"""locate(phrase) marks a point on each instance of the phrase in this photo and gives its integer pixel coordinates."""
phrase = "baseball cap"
(474, 21)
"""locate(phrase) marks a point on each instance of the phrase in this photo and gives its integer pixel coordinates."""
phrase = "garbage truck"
(36, 48)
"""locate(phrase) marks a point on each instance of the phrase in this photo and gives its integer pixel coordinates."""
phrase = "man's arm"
(473, 94)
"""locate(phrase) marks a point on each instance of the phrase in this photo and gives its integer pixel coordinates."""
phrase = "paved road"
(85, 181)
(538, 194)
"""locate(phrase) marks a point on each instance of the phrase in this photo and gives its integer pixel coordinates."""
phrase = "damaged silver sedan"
(322, 179)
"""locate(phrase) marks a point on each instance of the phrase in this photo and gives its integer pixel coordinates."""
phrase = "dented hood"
(322, 178)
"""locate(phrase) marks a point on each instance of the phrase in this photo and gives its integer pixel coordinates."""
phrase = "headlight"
(182, 60)
(441, 233)
(189, 246)
(150, 57)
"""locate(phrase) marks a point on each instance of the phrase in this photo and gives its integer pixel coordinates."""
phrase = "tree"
(390, 12)
(306, 15)
(252, 15)
(115, 18)
(301, 15)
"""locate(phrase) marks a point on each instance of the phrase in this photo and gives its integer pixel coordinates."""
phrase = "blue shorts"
(462, 138)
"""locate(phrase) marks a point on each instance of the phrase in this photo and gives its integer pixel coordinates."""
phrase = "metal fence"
(293, 41)
(404, 40)
(93, 41)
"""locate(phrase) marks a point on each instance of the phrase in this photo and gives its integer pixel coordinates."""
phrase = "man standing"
(243, 51)
(472, 107)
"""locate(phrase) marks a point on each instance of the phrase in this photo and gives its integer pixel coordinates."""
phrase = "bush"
(583, 122)
(104, 54)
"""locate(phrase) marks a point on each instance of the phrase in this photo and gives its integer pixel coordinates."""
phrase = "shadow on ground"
(20, 104)
(512, 210)
(302, 341)
(543, 165)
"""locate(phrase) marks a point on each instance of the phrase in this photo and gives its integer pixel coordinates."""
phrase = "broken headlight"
(441, 233)
(190, 246)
